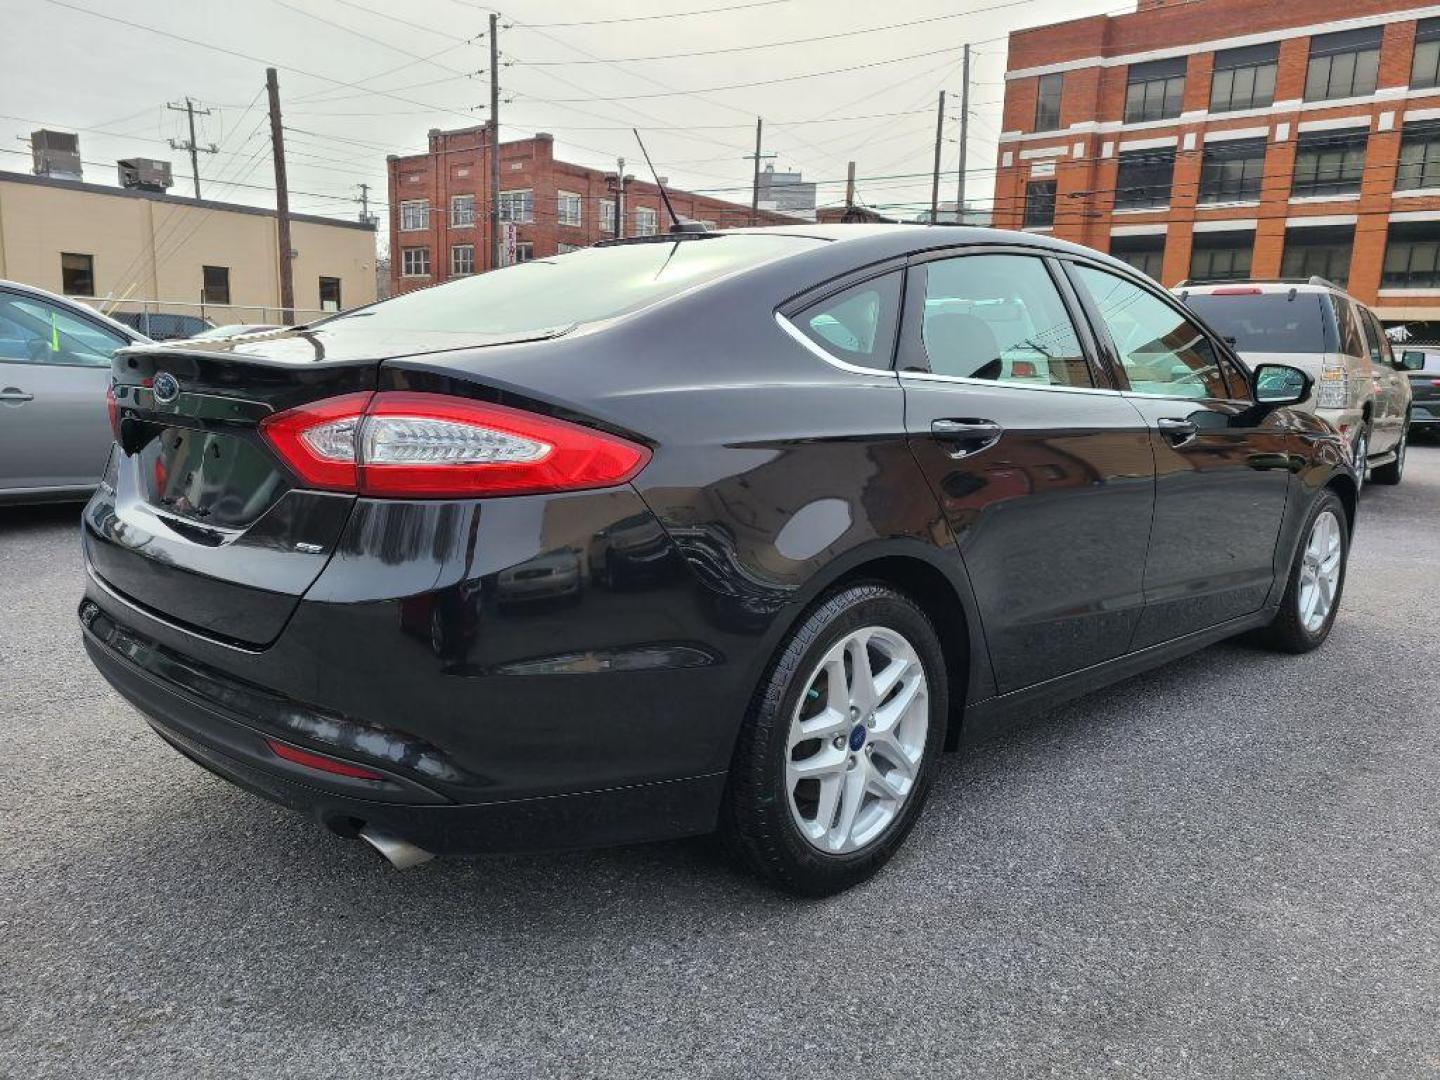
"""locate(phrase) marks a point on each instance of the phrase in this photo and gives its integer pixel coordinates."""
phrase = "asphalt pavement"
(1229, 867)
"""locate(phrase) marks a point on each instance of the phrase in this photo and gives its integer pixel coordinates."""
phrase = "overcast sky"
(63, 65)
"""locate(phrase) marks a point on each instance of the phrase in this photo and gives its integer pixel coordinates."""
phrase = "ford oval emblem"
(165, 387)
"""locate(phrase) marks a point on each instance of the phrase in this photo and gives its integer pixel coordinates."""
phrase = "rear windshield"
(1268, 322)
(578, 287)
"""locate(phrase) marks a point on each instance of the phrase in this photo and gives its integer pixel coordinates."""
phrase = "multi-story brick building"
(439, 206)
(1229, 138)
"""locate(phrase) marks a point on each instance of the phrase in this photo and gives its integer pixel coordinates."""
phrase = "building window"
(1221, 256)
(1144, 253)
(1047, 102)
(524, 252)
(1327, 164)
(1039, 204)
(1154, 91)
(414, 215)
(517, 206)
(646, 221)
(1232, 171)
(462, 211)
(77, 274)
(570, 209)
(329, 294)
(1425, 67)
(1143, 179)
(1419, 157)
(462, 260)
(1343, 65)
(607, 215)
(1244, 78)
(216, 289)
(1412, 256)
(1318, 252)
(565, 249)
(415, 262)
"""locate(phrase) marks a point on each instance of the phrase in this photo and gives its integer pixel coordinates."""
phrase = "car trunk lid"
(198, 519)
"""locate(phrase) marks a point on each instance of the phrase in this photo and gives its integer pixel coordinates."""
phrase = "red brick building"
(1230, 138)
(440, 206)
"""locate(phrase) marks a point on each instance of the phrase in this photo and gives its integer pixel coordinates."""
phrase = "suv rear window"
(1269, 322)
(585, 286)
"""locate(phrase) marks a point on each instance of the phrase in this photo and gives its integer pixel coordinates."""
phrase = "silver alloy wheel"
(1320, 568)
(856, 740)
(1400, 451)
(1362, 455)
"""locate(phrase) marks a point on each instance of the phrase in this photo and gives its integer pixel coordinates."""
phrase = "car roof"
(71, 305)
(874, 243)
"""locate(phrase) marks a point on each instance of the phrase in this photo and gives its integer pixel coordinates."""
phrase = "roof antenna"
(675, 224)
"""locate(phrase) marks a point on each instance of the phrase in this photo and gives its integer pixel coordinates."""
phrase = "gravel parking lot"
(1225, 868)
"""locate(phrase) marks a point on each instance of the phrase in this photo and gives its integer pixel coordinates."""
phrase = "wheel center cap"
(857, 736)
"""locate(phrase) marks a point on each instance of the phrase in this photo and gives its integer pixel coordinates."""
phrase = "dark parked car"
(1421, 364)
(162, 325)
(898, 477)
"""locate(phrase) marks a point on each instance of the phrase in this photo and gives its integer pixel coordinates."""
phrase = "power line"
(775, 44)
(247, 56)
(653, 18)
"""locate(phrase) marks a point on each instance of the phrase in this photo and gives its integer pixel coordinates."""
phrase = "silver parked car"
(54, 372)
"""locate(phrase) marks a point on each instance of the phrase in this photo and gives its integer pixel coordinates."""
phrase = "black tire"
(1394, 472)
(1360, 451)
(1287, 633)
(756, 821)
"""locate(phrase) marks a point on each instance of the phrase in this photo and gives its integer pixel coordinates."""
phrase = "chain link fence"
(164, 320)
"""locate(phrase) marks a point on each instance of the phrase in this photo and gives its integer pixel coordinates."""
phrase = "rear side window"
(1347, 322)
(857, 325)
(1000, 318)
(1265, 322)
(1161, 350)
(585, 286)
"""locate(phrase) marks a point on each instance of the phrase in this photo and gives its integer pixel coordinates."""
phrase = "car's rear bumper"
(206, 732)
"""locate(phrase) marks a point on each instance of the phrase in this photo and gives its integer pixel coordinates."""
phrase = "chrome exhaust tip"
(399, 853)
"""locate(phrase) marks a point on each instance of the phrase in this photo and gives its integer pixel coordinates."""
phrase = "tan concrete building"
(127, 249)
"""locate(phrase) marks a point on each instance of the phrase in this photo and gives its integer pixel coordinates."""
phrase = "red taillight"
(433, 446)
(1435, 382)
(1235, 290)
(320, 762)
(113, 408)
(318, 440)
(1022, 369)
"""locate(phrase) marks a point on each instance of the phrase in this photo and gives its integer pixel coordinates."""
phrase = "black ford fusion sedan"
(711, 531)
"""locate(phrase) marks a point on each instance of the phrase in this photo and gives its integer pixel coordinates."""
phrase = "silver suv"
(1317, 326)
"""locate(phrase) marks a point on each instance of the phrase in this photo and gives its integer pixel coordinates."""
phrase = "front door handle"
(15, 394)
(966, 436)
(1176, 431)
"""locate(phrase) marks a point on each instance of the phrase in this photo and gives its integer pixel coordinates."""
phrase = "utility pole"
(282, 201)
(935, 180)
(495, 246)
(755, 185)
(194, 148)
(964, 139)
(364, 201)
(616, 184)
(850, 185)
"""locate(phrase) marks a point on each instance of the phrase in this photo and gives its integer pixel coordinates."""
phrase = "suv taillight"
(416, 445)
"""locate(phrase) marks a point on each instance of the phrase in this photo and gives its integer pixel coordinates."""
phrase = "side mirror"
(1281, 384)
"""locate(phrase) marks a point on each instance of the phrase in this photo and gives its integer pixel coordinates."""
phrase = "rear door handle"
(966, 436)
(1176, 431)
(15, 394)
